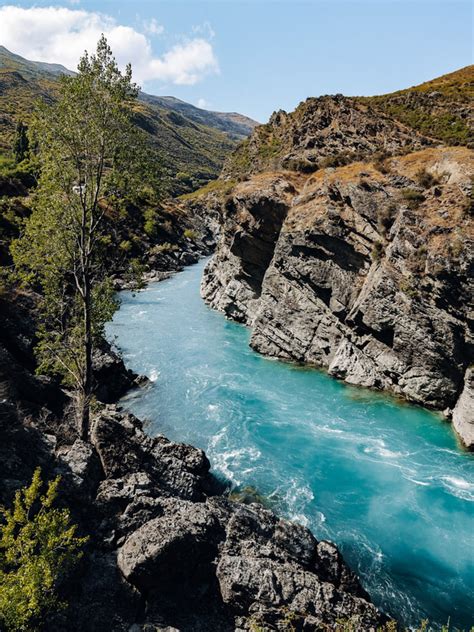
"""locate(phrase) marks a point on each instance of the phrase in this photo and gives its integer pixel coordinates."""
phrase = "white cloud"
(205, 30)
(186, 63)
(153, 27)
(202, 103)
(60, 35)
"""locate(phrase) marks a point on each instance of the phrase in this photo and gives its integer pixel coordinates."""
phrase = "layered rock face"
(365, 273)
(463, 413)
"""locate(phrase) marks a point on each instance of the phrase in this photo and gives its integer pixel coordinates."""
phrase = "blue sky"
(254, 56)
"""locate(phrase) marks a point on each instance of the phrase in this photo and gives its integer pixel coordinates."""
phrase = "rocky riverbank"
(363, 269)
(168, 549)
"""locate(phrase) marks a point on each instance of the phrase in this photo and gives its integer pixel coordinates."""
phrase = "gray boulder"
(174, 552)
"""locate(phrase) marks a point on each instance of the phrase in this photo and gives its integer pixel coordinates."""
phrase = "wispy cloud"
(205, 30)
(153, 27)
(60, 35)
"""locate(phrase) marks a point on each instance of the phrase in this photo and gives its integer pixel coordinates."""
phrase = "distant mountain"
(193, 142)
(234, 124)
(29, 69)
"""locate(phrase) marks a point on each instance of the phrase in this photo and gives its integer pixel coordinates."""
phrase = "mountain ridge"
(331, 130)
(193, 143)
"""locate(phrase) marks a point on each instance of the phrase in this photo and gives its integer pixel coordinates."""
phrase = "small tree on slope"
(38, 546)
(92, 161)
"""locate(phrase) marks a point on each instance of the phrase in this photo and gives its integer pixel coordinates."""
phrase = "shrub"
(386, 217)
(189, 233)
(468, 208)
(269, 147)
(377, 251)
(150, 225)
(381, 162)
(301, 165)
(417, 260)
(163, 248)
(6, 163)
(25, 171)
(184, 177)
(125, 245)
(383, 166)
(340, 160)
(405, 285)
(412, 198)
(456, 246)
(426, 179)
(222, 188)
(38, 546)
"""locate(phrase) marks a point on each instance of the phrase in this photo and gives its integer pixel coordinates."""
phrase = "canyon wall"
(363, 269)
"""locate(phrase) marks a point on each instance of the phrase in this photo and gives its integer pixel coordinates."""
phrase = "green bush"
(220, 187)
(150, 225)
(6, 163)
(189, 233)
(125, 245)
(25, 171)
(38, 546)
(163, 248)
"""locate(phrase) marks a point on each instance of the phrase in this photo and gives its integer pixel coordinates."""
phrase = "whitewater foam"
(154, 375)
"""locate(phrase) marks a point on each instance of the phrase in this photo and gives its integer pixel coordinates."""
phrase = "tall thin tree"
(91, 157)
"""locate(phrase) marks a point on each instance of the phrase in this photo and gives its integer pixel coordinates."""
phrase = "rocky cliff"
(321, 132)
(363, 269)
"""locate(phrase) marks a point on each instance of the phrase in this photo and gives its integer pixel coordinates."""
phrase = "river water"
(386, 481)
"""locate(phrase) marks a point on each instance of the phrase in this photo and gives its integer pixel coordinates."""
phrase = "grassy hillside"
(442, 108)
(193, 142)
(21, 83)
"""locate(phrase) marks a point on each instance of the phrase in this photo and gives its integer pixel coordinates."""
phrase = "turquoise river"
(387, 482)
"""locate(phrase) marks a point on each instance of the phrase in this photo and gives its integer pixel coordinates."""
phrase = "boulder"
(82, 464)
(112, 379)
(266, 563)
(174, 552)
(124, 449)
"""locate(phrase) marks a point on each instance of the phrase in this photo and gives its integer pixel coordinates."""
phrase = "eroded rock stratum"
(364, 269)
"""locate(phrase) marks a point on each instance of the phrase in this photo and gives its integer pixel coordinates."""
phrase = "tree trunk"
(87, 378)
